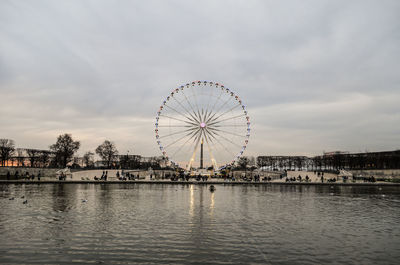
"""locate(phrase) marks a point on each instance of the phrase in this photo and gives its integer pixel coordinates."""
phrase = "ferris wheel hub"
(203, 115)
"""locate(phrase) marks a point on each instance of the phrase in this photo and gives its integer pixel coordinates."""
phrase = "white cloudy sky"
(316, 75)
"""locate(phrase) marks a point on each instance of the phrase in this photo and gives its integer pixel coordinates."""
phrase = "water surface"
(187, 224)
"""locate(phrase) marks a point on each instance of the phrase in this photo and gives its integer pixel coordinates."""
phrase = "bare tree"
(260, 161)
(108, 152)
(298, 161)
(156, 162)
(33, 155)
(64, 149)
(243, 162)
(44, 158)
(88, 159)
(76, 163)
(7, 148)
(124, 161)
(20, 157)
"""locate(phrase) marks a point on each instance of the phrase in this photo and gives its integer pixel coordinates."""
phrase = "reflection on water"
(180, 224)
(191, 209)
(212, 202)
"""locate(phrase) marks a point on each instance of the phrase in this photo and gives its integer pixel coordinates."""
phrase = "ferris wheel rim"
(208, 122)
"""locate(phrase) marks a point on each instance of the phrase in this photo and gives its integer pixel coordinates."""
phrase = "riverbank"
(198, 182)
(392, 175)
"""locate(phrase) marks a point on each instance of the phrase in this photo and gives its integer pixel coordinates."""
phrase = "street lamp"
(127, 159)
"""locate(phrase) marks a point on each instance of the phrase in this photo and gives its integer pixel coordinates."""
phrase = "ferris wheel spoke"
(169, 117)
(214, 145)
(211, 135)
(213, 107)
(227, 119)
(210, 117)
(223, 146)
(195, 98)
(193, 109)
(226, 139)
(187, 100)
(187, 111)
(199, 113)
(208, 109)
(194, 151)
(220, 95)
(179, 139)
(179, 113)
(209, 114)
(223, 105)
(229, 125)
(209, 99)
(219, 130)
(178, 126)
(198, 117)
(234, 107)
(218, 149)
(175, 133)
(197, 138)
(213, 161)
(205, 115)
(194, 135)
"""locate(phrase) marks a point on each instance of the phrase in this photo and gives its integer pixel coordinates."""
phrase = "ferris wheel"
(205, 120)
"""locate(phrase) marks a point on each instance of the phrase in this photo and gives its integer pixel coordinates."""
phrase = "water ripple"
(186, 224)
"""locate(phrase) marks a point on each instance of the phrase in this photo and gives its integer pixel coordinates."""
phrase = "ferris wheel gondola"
(202, 115)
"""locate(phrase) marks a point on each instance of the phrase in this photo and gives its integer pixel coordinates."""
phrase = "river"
(188, 224)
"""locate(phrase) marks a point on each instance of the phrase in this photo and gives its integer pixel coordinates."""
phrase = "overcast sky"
(316, 75)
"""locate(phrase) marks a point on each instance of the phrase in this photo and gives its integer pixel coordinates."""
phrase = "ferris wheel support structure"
(203, 115)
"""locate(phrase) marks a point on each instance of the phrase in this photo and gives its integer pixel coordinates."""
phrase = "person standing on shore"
(8, 175)
(38, 176)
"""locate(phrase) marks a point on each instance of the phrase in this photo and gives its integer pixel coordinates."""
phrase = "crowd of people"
(123, 176)
(104, 176)
(127, 176)
(62, 176)
(26, 176)
(298, 179)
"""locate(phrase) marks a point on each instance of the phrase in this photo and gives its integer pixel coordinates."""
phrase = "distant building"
(283, 162)
(24, 157)
(335, 160)
(78, 162)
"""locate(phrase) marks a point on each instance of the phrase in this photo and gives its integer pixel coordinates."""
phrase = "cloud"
(315, 75)
(351, 123)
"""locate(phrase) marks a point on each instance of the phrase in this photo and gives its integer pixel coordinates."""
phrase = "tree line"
(334, 161)
(61, 154)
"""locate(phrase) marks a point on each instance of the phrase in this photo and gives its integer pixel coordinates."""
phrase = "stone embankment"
(193, 182)
(378, 173)
(273, 176)
(45, 172)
